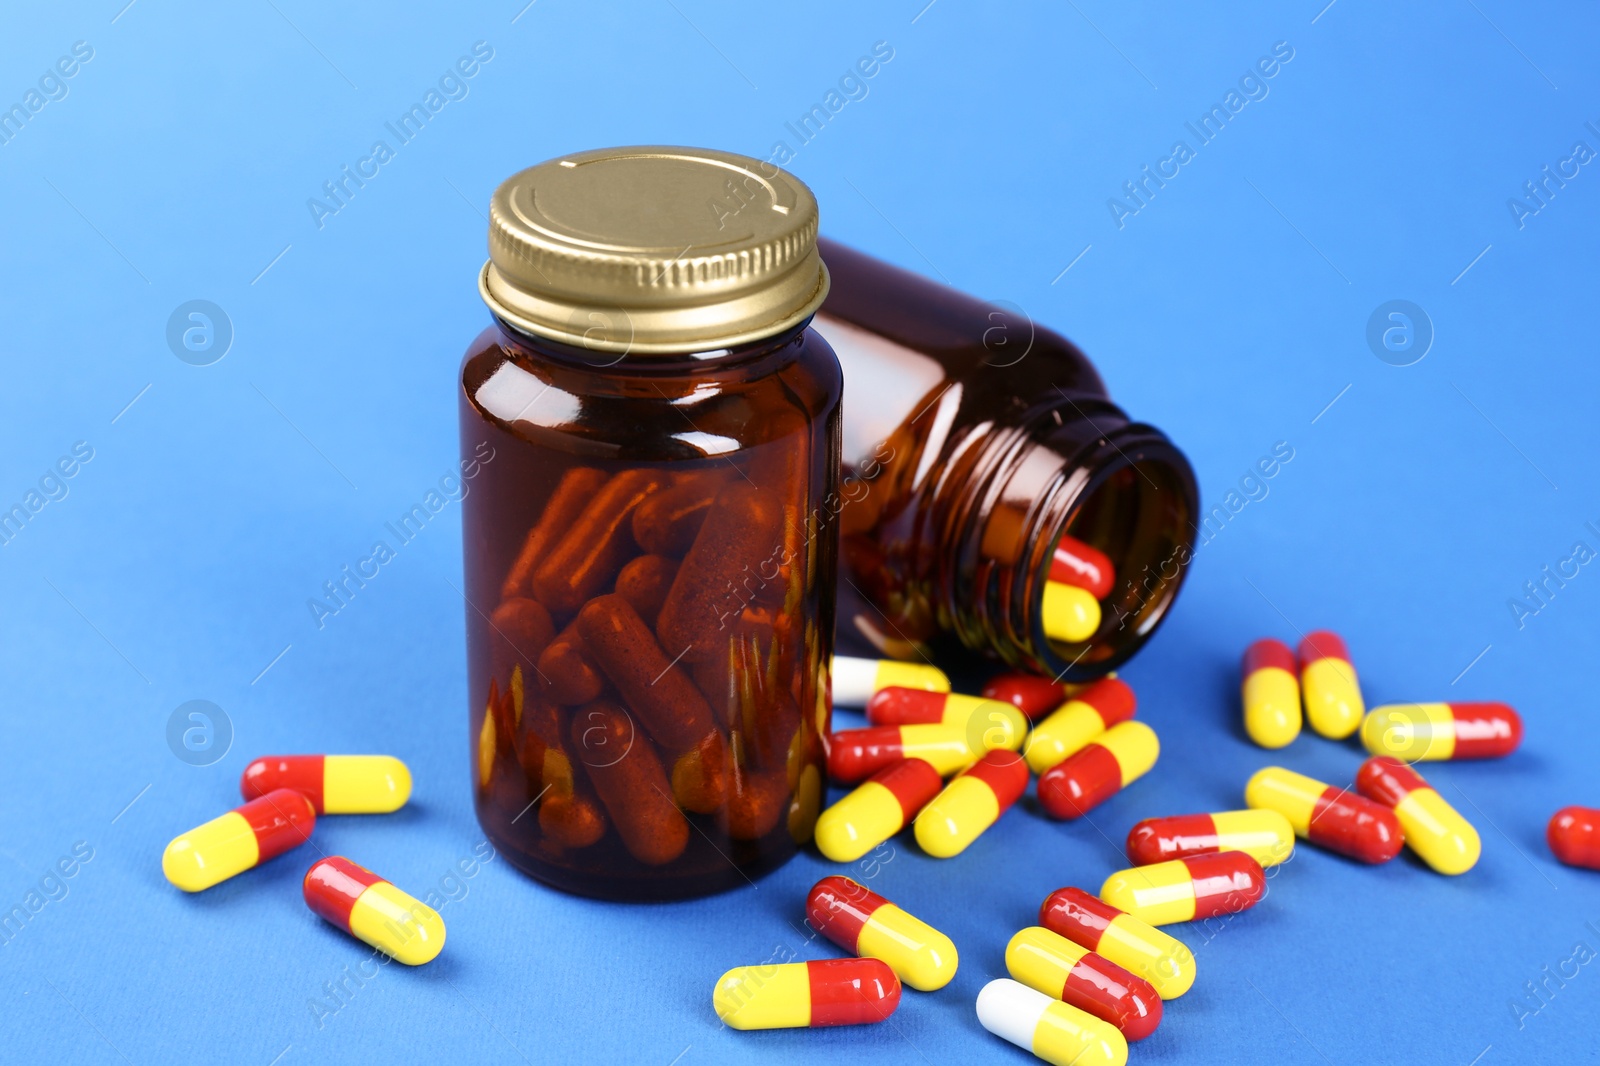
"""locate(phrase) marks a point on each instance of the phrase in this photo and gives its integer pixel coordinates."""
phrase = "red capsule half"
(1225, 883)
(1075, 563)
(1031, 694)
(1574, 836)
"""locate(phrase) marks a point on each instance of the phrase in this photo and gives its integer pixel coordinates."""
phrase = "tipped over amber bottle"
(992, 490)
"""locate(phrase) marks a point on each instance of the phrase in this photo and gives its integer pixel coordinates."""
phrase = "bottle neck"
(1078, 468)
(746, 358)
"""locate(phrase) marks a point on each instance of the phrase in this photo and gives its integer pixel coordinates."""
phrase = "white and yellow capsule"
(1054, 1031)
(854, 680)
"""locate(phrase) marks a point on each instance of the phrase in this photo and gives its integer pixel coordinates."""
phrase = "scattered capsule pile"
(1093, 974)
(1391, 804)
(284, 795)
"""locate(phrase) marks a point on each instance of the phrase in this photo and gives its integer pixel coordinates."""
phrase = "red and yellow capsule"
(883, 805)
(867, 925)
(1031, 694)
(335, 784)
(1425, 732)
(1186, 890)
(1329, 686)
(1266, 836)
(240, 840)
(971, 803)
(1056, 1032)
(799, 995)
(1068, 613)
(1073, 974)
(914, 706)
(1114, 760)
(1574, 836)
(1134, 944)
(854, 680)
(1077, 722)
(373, 911)
(1076, 563)
(1271, 694)
(1434, 829)
(856, 754)
(1333, 818)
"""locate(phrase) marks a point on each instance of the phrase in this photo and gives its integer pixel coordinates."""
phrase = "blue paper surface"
(1384, 159)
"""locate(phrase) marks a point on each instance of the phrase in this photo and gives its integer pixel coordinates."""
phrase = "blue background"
(1231, 310)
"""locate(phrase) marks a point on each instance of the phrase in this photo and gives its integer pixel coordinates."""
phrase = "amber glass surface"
(650, 562)
(975, 439)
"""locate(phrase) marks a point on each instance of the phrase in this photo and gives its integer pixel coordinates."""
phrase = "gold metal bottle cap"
(653, 250)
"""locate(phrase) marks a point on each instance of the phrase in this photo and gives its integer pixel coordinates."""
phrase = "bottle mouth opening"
(1135, 507)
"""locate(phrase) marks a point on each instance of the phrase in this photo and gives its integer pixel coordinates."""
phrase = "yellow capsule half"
(910, 675)
(956, 817)
(1063, 733)
(364, 784)
(775, 996)
(1265, 835)
(1333, 697)
(919, 954)
(211, 853)
(1437, 832)
(1142, 949)
(946, 747)
(1414, 732)
(1161, 894)
(1290, 794)
(405, 929)
(1042, 960)
(1068, 613)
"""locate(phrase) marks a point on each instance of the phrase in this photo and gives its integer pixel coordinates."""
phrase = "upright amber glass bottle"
(649, 559)
(974, 442)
